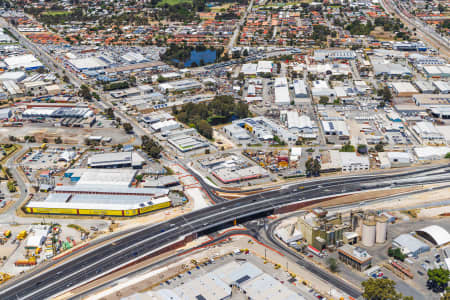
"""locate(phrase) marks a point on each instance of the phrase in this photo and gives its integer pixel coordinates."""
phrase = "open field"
(56, 13)
(173, 2)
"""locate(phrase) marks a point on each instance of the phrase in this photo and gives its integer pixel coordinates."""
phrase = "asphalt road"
(67, 274)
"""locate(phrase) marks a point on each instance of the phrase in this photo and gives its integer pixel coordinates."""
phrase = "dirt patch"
(363, 196)
(382, 35)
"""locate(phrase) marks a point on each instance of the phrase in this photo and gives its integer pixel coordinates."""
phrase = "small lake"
(208, 56)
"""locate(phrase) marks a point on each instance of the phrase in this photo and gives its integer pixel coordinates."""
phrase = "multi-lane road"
(99, 261)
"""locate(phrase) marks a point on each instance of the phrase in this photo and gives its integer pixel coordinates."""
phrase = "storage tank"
(381, 229)
(368, 232)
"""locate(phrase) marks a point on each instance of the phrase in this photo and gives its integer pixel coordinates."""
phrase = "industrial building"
(249, 69)
(390, 69)
(337, 127)
(427, 131)
(281, 93)
(410, 245)
(116, 160)
(26, 62)
(227, 175)
(85, 176)
(321, 88)
(395, 159)
(186, 143)
(237, 134)
(88, 63)
(443, 87)
(431, 100)
(435, 234)
(300, 89)
(441, 112)
(5, 113)
(264, 67)
(218, 284)
(17, 76)
(180, 85)
(161, 182)
(321, 230)
(403, 89)
(166, 125)
(436, 71)
(296, 123)
(431, 153)
(333, 54)
(425, 87)
(355, 257)
(58, 112)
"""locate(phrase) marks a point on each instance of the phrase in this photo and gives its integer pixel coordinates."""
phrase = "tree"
(347, 148)
(109, 113)
(313, 167)
(128, 128)
(12, 138)
(447, 155)
(149, 146)
(381, 289)
(439, 277)
(324, 100)
(245, 52)
(45, 140)
(387, 95)
(205, 129)
(58, 140)
(139, 177)
(32, 139)
(85, 92)
(362, 149)
(379, 147)
(332, 265)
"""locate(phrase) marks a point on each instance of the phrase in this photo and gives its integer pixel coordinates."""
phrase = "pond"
(208, 56)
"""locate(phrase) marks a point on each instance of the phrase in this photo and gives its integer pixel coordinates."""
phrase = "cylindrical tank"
(381, 228)
(368, 232)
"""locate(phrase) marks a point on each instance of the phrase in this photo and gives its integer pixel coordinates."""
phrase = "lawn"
(56, 13)
(173, 2)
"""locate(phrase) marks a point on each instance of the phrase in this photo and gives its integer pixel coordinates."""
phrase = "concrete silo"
(381, 229)
(368, 231)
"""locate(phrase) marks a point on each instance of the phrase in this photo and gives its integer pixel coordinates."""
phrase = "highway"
(68, 274)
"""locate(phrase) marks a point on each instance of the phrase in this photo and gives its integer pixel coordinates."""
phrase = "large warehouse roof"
(435, 234)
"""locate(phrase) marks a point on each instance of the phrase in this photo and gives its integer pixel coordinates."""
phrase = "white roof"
(281, 91)
(438, 235)
(22, 61)
(404, 87)
(88, 63)
(264, 66)
(249, 69)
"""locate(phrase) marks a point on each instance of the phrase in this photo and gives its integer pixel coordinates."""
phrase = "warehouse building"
(166, 125)
(441, 112)
(321, 88)
(161, 182)
(281, 93)
(431, 153)
(85, 176)
(431, 100)
(14, 76)
(403, 89)
(249, 69)
(352, 162)
(5, 113)
(425, 87)
(57, 112)
(186, 143)
(88, 63)
(427, 131)
(12, 88)
(300, 90)
(392, 70)
(264, 67)
(437, 71)
(116, 160)
(180, 85)
(338, 128)
(237, 134)
(410, 245)
(334, 54)
(435, 234)
(26, 62)
(296, 123)
(355, 257)
(230, 175)
(395, 159)
(443, 87)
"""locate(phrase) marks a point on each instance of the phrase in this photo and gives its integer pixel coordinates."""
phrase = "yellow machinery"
(4, 277)
(22, 235)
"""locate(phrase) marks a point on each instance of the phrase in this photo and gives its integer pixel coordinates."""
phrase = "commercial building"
(116, 160)
(17, 76)
(249, 69)
(321, 88)
(12, 88)
(296, 123)
(264, 67)
(100, 177)
(334, 54)
(410, 245)
(425, 87)
(281, 93)
(321, 230)
(395, 159)
(36, 88)
(25, 62)
(441, 112)
(355, 257)
(404, 89)
(57, 112)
